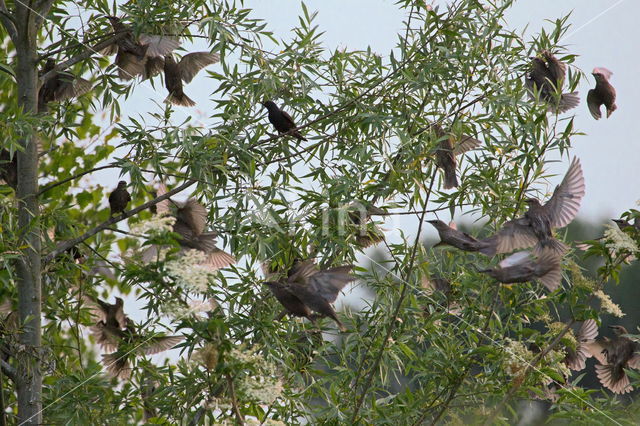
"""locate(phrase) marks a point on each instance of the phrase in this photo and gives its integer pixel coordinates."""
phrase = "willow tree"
(411, 355)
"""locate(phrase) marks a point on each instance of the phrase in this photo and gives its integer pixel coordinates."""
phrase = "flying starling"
(614, 355)
(119, 198)
(536, 227)
(190, 224)
(603, 94)
(546, 77)
(576, 358)
(360, 217)
(447, 151)
(282, 121)
(522, 267)
(60, 87)
(110, 319)
(9, 168)
(458, 239)
(132, 54)
(308, 289)
(185, 70)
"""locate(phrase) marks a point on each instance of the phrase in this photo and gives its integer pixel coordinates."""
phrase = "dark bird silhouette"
(133, 54)
(360, 216)
(546, 78)
(308, 289)
(458, 239)
(185, 70)
(603, 94)
(282, 121)
(447, 151)
(119, 198)
(9, 168)
(190, 225)
(614, 355)
(522, 267)
(60, 87)
(536, 227)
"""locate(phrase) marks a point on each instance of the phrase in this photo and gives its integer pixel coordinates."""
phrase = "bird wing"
(548, 270)
(159, 45)
(160, 344)
(153, 67)
(466, 144)
(192, 63)
(218, 259)
(634, 361)
(107, 338)
(129, 66)
(163, 206)
(328, 283)
(194, 215)
(593, 102)
(595, 348)
(302, 271)
(611, 379)
(563, 206)
(288, 118)
(588, 331)
(117, 364)
(72, 88)
(515, 234)
(515, 259)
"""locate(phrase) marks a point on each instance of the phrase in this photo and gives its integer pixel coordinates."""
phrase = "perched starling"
(60, 87)
(9, 168)
(308, 289)
(458, 239)
(119, 198)
(535, 228)
(448, 150)
(360, 216)
(132, 55)
(190, 224)
(546, 77)
(614, 355)
(186, 70)
(603, 94)
(522, 267)
(282, 121)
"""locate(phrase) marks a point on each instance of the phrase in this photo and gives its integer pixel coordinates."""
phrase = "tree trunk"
(29, 380)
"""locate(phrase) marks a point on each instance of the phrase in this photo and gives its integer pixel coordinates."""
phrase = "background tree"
(411, 355)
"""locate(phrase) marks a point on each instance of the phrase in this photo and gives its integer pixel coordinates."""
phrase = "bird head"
(122, 184)
(618, 330)
(119, 301)
(437, 223)
(270, 105)
(601, 74)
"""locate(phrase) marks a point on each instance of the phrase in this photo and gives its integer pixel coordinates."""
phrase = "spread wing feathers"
(615, 381)
(159, 45)
(588, 331)
(112, 49)
(576, 360)
(515, 259)
(515, 234)
(150, 254)
(218, 259)
(302, 271)
(129, 66)
(117, 365)
(595, 349)
(563, 206)
(194, 215)
(548, 270)
(593, 102)
(328, 283)
(466, 144)
(104, 337)
(163, 206)
(153, 67)
(634, 361)
(192, 63)
(72, 88)
(156, 345)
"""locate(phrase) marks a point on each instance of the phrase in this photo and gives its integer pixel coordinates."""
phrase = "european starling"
(308, 289)
(119, 198)
(9, 168)
(176, 73)
(60, 87)
(448, 149)
(535, 228)
(360, 216)
(625, 225)
(576, 358)
(522, 267)
(614, 355)
(458, 239)
(191, 221)
(132, 55)
(546, 77)
(603, 94)
(9, 328)
(109, 319)
(282, 121)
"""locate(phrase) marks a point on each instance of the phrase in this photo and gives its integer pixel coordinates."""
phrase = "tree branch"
(62, 247)
(234, 400)
(9, 370)
(7, 21)
(76, 176)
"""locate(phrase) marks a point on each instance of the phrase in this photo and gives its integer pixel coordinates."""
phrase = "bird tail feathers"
(179, 98)
(567, 102)
(450, 179)
(612, 379)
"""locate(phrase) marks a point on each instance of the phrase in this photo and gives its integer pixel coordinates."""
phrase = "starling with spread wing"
(546, 77)
(111, 319)
(614, 355)
(282, 121)
(523, 266)
(308, 289)
(184, 71)
(536, 227)
(602, 94)
(60, 87)
(119, 198)
(448, 150)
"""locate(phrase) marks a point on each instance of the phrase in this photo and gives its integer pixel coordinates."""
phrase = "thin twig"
(234, 400)
(9, 370)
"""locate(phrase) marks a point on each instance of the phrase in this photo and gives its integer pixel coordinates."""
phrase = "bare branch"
(76, 176)
(62, 247)
(9, 370)
(7, 21)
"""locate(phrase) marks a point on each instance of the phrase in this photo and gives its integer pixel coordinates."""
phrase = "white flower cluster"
(178, 310)
(607, 304)
(157, 224)
(188, 272)
(264, 387)
(618, 241)
(518, 357)
(555, 359)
